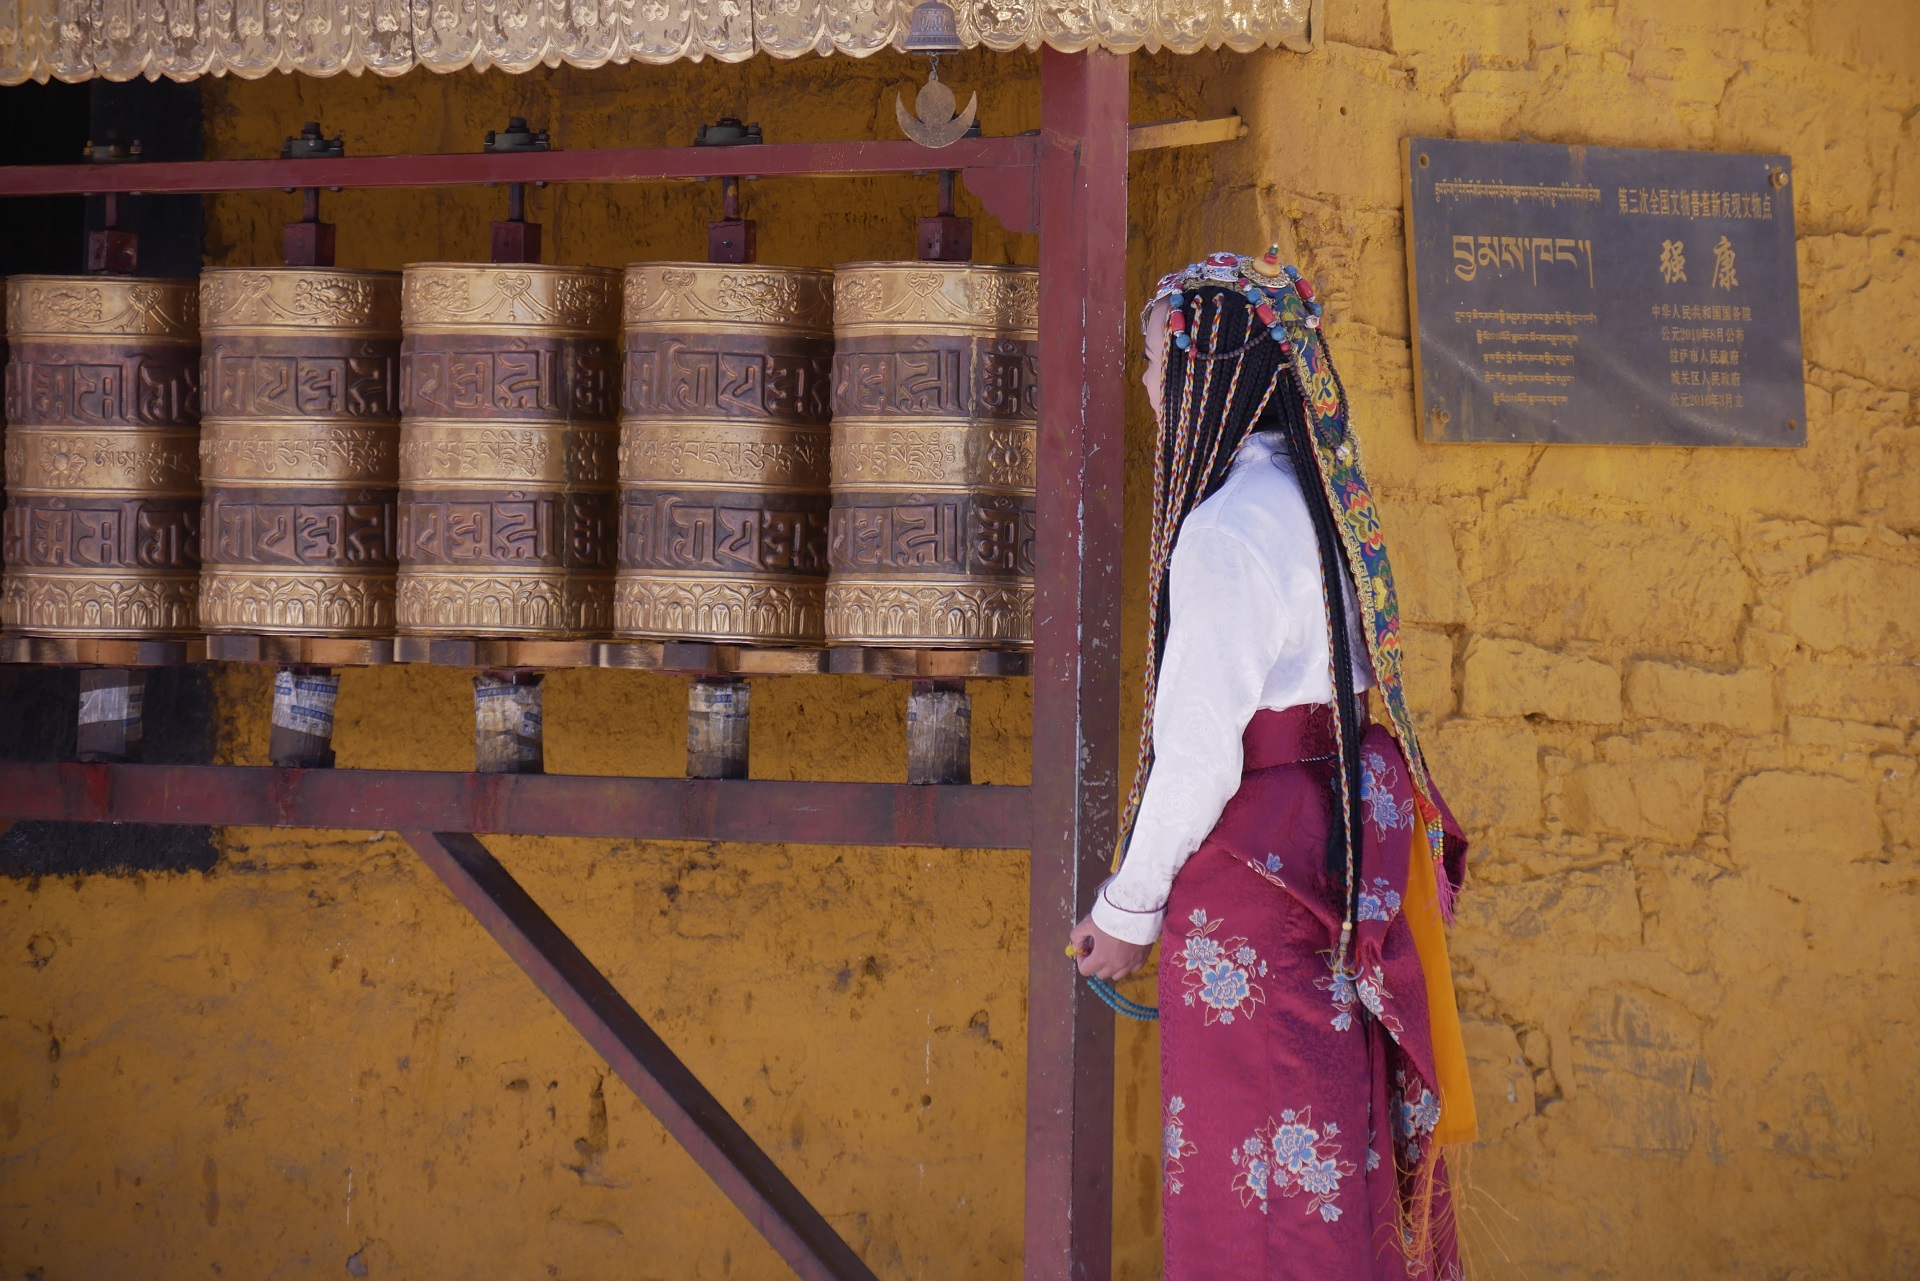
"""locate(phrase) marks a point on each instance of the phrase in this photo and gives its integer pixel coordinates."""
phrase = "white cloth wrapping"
(1248, 630)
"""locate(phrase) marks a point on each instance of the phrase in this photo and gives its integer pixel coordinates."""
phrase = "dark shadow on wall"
(50, 124)
(38, 710)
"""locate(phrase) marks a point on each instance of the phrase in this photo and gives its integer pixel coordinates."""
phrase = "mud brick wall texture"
(1673, 693)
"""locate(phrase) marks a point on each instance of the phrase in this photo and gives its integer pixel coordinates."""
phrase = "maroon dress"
(1299, 1103)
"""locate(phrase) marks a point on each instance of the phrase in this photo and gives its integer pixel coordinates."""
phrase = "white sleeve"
(1227, 630)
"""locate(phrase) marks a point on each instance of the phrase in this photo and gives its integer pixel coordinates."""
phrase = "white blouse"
(1248, 630)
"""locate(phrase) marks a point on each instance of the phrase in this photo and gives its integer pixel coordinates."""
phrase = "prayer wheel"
(723, 453)
(299, 450)
(507, 450)
(103, 489)
(935, 399)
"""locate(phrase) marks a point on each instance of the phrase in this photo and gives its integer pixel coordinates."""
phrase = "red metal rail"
(1000, 171)
(658, 809)
(610, 164)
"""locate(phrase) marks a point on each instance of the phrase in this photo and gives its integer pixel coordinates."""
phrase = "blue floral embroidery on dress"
(1268, 868)
(1377, 780)
(1174, 1145)
(1366, 989)
(1291, 1157)
(1340, 986)
(1381, 902)
(1220, 973)
(1251, 1182)
(1416, 1112)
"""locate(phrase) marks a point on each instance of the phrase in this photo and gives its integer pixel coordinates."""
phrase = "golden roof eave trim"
(251, 38)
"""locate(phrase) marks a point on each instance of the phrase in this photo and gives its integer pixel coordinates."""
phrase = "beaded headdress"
(1283, 304)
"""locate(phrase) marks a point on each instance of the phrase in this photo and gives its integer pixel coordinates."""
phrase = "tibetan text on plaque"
(1605, 296)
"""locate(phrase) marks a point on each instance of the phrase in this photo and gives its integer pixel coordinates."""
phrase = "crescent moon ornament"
(935, 125)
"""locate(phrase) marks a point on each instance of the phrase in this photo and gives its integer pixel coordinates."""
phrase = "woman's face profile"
(1155, 378)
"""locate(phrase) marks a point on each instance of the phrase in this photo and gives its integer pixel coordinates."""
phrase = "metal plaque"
(1603, 296)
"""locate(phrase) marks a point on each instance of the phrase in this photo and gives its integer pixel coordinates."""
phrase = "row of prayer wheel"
(751, 454)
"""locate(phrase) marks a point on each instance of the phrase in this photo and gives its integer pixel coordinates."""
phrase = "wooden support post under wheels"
(939, 733)
(717, 728)
(303, 699)
(111, 704)
(506, 724)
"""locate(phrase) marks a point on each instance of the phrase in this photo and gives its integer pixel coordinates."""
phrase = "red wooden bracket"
(688, 1110)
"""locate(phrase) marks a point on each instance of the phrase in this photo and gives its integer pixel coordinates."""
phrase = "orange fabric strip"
(1459, 1122)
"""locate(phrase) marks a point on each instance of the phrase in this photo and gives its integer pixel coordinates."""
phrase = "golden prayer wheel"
(299, 450)
(935, 407)
(507, 450)
(723, 453)
(103, 405)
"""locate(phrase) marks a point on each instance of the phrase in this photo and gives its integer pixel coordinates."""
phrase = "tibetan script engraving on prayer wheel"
(724, 453)
(935, 408)
(508, 487)
(299, 450)
(103, 491)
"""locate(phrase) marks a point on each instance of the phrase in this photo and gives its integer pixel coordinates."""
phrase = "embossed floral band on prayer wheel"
(507, 450)
(299, 450)
(103, 490)
(935, 406)
(723, 453)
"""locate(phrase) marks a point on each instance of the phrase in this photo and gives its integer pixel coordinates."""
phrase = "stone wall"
(1672, 692)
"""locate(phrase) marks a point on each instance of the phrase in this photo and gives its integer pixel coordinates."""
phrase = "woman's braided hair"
(1233, 378)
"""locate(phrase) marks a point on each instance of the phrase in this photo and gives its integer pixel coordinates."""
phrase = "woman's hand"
(1102, 956)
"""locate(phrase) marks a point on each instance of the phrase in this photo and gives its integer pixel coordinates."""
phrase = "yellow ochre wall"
(1672, 693)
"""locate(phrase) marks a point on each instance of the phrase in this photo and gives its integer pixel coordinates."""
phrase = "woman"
(1297, 856)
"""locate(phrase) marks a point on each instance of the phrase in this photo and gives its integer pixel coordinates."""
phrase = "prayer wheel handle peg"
(112, 251)
(300, 734)
(730, 238)
(112, 711)
(939, 733)
(516, 239)
(718, 727)
(310, 242)
(508, 724)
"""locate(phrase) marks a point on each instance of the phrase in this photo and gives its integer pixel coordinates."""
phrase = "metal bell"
(933, 28)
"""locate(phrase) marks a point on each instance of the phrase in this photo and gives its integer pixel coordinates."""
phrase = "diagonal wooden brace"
(635, 1052)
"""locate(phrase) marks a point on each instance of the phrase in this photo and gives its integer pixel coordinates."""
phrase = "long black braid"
(1333, 575)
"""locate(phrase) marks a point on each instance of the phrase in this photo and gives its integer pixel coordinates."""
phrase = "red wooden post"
(1076, 694)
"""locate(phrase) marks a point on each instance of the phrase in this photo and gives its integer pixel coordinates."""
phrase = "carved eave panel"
(182, 39)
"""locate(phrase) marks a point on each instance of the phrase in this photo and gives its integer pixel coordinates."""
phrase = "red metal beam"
(610, 164)
(662, 809)
(1076, 681)
(999, 171)
(639, 1057)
